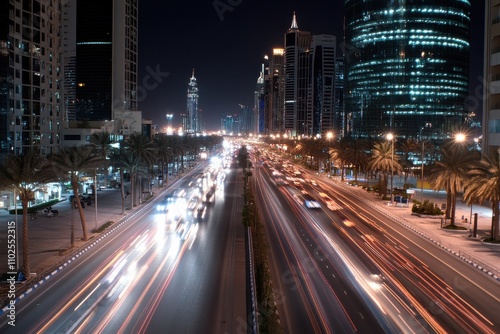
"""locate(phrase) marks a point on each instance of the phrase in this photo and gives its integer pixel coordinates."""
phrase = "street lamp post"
(329, 136)
(95, 198)
(460, 138)
(390, 136)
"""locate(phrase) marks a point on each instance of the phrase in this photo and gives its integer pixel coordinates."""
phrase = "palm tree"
(385, 161)
(24, 174)
(339, 154)
(484, 185)
(143, 148)
(165, 152)
(451, 173)
(101, 142)
(355, 155)
(244, 162)
(70, 163)
(176, 144)
(127, 161)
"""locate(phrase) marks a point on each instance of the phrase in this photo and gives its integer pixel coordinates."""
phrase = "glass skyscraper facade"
(406, 66)
(94, 61)
(31, 89)
(106, 61)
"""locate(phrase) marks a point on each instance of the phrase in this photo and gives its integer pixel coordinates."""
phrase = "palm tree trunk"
(448, 205)
(495, 224)
(140, 189)
(122, 191)
(132, 190)
(163, 178)
(74, 185)
(26, 256)
(453, 209)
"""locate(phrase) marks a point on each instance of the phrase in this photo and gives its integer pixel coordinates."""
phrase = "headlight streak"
(315, 322)
(148, 311)
(365, 282)
(48, 322)
(90, 294)
(127, 281)
(450, 302)
(383, 261)
(115, 278)
(367, 286)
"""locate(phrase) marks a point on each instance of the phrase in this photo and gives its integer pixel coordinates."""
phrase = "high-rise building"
(407, 66)
(296, 81)
(31, 88)
(273, 94)
(191, 123)
(246, 120)
(339, 122)
(320, 114)
(258, 120)
(228, 124)
(491, 103)
(106, 62)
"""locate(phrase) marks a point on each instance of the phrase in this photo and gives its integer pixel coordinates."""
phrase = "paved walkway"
(484, 256)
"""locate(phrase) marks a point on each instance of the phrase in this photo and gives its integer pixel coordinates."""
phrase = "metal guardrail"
(253, 287)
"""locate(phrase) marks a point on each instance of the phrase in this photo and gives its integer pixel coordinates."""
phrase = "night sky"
(225, 46)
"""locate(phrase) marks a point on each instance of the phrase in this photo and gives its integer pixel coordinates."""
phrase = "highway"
(349, 252)
(147, 277)
(178, 266)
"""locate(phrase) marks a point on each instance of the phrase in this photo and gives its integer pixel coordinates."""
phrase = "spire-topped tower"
(191, 122)
(294, 26)
(296, 65)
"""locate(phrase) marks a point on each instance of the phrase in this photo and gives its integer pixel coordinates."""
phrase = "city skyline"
(228, 53)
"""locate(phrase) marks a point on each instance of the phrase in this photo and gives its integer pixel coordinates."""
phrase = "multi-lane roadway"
(148, 278)
(347, 267)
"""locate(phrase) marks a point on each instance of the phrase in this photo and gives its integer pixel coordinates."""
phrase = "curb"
(86, 248)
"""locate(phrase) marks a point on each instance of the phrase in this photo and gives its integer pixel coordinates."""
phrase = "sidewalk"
(484, 256)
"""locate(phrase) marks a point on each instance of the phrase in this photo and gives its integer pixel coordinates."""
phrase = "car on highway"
(310, 202)
(165, 204)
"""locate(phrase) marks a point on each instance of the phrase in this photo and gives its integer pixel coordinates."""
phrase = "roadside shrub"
(426, 208)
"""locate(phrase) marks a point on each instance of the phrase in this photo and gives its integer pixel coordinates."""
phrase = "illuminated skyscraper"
(491, 104)
(273, 93)
(407, 66)
(191, 122)
(258, 119)
(31, 85)
(338, 104)
(296, 83)
(320, 113)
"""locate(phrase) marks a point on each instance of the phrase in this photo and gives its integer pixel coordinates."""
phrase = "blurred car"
(310, 202)
(165, 204)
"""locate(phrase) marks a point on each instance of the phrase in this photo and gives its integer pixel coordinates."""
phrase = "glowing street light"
(460, 137)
